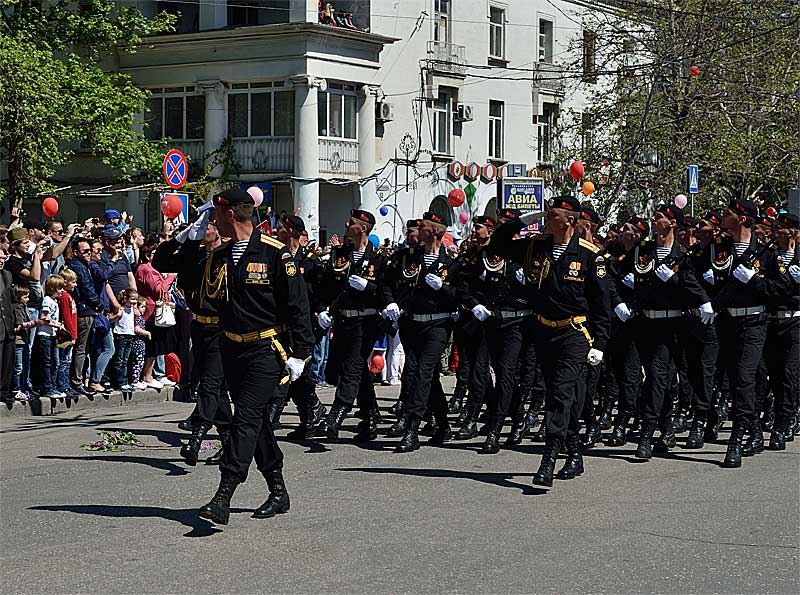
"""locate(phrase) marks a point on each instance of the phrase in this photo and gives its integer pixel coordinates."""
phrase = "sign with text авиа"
(524, 194)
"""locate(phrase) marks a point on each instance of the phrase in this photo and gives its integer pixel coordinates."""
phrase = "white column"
(216, 123)
(366, 147)
(303, 11)
(213, 14)
(305, 189)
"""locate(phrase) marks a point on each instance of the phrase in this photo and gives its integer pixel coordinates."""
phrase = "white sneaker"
(126, 388)
(154, 384)
(166, 381)
(140, 386)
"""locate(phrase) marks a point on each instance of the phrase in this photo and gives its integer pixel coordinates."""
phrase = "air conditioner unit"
(385, 112)
(464, 113)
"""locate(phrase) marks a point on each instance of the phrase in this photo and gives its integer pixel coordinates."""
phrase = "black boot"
(619, 435)
(191, 449)
(679, 424)
(278, 501)
(777, 439)
(397, 408)
(442, 434)
(429, 429)
(216, 458)
(186, 424)
(544, 475)
(218, 510)
(605, 417)
(519, 428)
(492, 444)
(410, 440)
(533, 412)
(469, 429)
(667, 438)
(768, 418)
(645, 448)
(398, 428)
(695, 438)
(337, 415)
(574, 464)
(755, 441)
(312, 422)
(368, 428)
(592, 435)
(276, 409)
(733, 458)
(456, 403)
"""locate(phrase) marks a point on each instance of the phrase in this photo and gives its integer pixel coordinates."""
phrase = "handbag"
(164, 316)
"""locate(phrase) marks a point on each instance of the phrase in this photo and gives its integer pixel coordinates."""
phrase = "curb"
(46, 407)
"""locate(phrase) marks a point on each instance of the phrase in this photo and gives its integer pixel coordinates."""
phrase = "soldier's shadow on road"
(502, 480)
(185, 516)
(170, 467)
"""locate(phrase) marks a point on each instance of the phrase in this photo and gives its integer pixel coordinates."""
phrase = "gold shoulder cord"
(212, 289)
(536, 271)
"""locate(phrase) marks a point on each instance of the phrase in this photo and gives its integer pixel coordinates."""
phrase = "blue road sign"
(184, 198)
(694, 179)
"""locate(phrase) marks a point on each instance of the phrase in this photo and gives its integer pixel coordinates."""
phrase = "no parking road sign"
(175, 169)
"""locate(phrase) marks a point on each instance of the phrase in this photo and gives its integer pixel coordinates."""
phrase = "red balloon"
(771, 212)
(50, 206)
(171, 206)
(694, 70)
(576, 170)
(456, 197)
(376, 363)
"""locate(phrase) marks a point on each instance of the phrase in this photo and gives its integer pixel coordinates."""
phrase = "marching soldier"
(263, 309)
(566, 279)
(348, 286)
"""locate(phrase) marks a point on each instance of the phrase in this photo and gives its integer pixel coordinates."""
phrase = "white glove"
(743, 273)
(196, 230)
(595, 357)
(456, 315)
(392, 312)
(628, 280)
(709, 276)
(706, 313)
(664, 273)
(521, 276)
(482, 276)
(295, 367)
(480, 312)
(209, 206)
(324, 319)
(434, 281)
(623, 312)
(794, 271)
(357, 282)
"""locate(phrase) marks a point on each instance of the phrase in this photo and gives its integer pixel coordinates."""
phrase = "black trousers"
(590, 384)
(656, 340)
(562, 353)
(252, 370)
(213, 405)
(303, 393)
(530, 380)
(353, 342)
(7, 354)
(700, 348)
(423, 343)
(782, 354)
(741, 341)
(473, 351)
(624, 357)
(504, 340)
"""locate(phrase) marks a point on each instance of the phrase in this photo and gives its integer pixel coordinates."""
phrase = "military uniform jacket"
(333, 290)
(680, 292)
(557, 289)
(489, 280)
(790, 298)
(188, 260)
(405, 280)
(264, 289)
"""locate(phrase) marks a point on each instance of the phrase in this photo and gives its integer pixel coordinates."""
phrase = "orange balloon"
(587, 188)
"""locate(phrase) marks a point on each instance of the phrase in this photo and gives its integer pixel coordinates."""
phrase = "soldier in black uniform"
(747, 275)
(213, 405)
(349, 288)
(567, 286)
(782, 348)
(418, 279)
(263, 309)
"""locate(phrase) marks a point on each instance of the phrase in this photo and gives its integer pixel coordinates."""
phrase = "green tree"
(59, 91)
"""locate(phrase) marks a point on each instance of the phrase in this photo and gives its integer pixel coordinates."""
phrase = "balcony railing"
(265, 155)
(447, 58)
(338, 157)
(549, 78)
(194, 150)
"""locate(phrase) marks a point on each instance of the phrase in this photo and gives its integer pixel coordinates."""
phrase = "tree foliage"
(59, 90)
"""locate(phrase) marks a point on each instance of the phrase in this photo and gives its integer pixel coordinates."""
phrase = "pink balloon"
(463, 217)
(257, 194)
(681, 201)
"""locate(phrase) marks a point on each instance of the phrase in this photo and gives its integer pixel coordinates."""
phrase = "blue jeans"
(42, 362)
(123, 345)
(33, 314)
(106, 352)
(62, 372)
(320, 358)
(21, 362)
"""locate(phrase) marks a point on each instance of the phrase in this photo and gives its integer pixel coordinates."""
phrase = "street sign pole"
(693, 182)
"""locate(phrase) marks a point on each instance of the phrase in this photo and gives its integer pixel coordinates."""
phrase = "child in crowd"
(44, 352)
(124, 334)
(139, 343)
(68, 313)
(22, 324)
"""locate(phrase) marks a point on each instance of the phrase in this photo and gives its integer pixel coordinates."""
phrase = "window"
(187, 13)
(546, 123)
(336, 111)
(589, 67)
(497, 35)
(441, 20)
(442, 123)
(175, 112)
(257, 12)
(260, 109)
(545, 41)
(496, 129)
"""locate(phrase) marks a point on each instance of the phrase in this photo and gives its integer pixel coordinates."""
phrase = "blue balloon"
(375, 240)
(384, 211)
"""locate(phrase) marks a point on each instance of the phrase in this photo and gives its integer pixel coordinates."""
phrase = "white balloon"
(257, 194)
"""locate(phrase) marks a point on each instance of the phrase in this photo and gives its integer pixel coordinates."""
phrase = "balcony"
(549, 78)
(447, 58)
(265, 155)
(338, 157)
(194, 150)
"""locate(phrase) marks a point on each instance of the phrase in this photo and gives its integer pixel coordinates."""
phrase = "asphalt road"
(366, 520)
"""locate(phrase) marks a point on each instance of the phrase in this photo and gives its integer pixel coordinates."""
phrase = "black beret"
(364, 216)
(764, 220)
(509, 213)
(641, 224)
(744, 207)
(689, 221)
(484, 220)
(412, 223)
(589, 214)
(713, 217)
(788, 220)
(428, 216)
(293, 223)
(570, 203)
(232, 197)
(672, 212)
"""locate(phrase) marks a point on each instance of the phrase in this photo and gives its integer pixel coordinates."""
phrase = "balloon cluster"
(576, 170)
